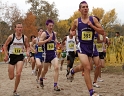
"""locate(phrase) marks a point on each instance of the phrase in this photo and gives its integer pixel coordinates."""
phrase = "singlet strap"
(11, 41)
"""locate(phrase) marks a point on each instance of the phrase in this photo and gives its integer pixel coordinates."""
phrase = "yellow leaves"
(99, 12)
(109, 17)
(62, 29)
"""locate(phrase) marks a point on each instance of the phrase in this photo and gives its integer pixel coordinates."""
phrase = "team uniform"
(85, 37)
(100, 47)
(118, 42)
(95, 51)
(39, 50)
(49, 49)
(32, 53)
(70, 50)
(15, 49)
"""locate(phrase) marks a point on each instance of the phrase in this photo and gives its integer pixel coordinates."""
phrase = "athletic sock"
(91, 92)
(55, 84)
(41, 79)
(72, 71)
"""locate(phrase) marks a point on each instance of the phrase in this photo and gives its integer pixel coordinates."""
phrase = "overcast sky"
(67, 7)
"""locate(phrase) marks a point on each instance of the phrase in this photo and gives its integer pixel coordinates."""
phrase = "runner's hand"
(6, 58)
(50, 38)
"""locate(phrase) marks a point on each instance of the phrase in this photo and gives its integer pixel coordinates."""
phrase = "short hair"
(97, 18)
(49, 21)
(82, 3)
(117, 33)
(32, 36)
(17, 24)
(39, 29)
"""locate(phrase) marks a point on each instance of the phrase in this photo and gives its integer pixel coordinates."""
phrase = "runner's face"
(40, 31)
(50, 26)
(19, 28)
(84, 9)
(72, 33)
(33, 38)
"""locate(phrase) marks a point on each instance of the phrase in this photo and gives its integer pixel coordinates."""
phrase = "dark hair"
(97, 18)
(82, 3)
(69, 29)
(17, 24)
(117, 33)
(49, 21)
(32, 36)
(39, 29)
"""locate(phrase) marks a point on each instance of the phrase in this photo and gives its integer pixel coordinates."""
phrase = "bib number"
(17, 51)
(50, 46)
(99, 47)
(40, 49)
(71, 45)
(86, 35)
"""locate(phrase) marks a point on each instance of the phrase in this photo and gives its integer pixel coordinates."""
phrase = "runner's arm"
(56, 38)
(74, 26)
(97, 27)
(32, 45)
(27, 46)
(63, 41)
(43, 40)
(5, 46)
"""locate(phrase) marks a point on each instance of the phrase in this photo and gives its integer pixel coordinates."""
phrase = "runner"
(86, 27)
(32, 59)
(118, 43)
(59, 49)
(13, 51)
(63, 54)
(25, 58)
(48, 38)
(70, 42)
(38, 54)
(101, 46)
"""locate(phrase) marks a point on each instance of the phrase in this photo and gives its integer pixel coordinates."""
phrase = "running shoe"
(41, 84)
(96, 85)
(56, 88)
(71, 77)
(95, 94)
(15, 94)
(100, 80)
(60, 68)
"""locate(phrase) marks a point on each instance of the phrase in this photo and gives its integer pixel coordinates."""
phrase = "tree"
(107, 18)
(8, 15)
(74, 16)
(29, 24)
(62, 28)
(4, 31)
(99, 12)
(43, 11)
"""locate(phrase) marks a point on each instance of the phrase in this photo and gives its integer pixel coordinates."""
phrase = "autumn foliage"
(29, 25)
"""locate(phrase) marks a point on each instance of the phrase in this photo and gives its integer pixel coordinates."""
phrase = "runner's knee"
(87, 67)
(56, 68)
(11, 77)
(18, 74)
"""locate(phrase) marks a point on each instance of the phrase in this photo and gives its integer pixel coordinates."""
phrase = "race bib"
(99, 47)
(50, 46)
(17, 51)
(71, 45)
(40, 49)
(86, 35)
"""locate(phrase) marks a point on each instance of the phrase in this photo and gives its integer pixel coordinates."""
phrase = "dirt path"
(113, 85)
